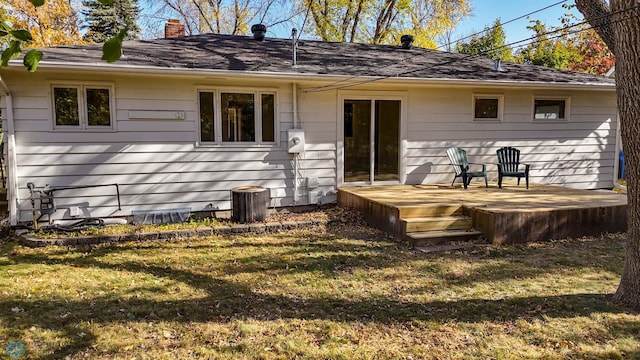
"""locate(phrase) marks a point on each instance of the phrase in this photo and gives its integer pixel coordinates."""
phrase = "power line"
(504, 23)
(420, 54)
(285, 20)
(291, 17)
(534, 39)
(304, 22)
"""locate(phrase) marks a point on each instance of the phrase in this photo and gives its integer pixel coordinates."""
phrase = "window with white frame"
(82, 107)
(545, 108)
(237, 116)
(487, 107)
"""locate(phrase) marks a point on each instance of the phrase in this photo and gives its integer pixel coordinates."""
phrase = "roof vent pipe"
(294, 36)
(497, 66)
(407, 41)
(259, 30)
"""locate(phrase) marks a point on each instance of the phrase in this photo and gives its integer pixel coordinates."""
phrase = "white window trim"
(567, 108)
(217, 114)
(82, 106)
(500, 98)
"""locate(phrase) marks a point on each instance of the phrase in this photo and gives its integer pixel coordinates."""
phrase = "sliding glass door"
(371, 141)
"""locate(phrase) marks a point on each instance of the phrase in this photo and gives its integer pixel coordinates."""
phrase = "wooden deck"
(512, 214)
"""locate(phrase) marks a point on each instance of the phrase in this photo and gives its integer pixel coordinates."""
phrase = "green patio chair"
(509, 165)
(460, 163)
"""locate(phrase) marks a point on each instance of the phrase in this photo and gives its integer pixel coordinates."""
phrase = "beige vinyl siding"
(318, 118)
(156, 162)
(578, 152)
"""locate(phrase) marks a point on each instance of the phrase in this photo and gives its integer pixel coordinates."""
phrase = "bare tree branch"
(203, 16)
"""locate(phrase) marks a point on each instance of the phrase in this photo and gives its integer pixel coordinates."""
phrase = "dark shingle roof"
(243, 53)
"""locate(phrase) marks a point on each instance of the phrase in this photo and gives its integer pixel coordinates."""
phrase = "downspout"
(12, 169)
(294, 90)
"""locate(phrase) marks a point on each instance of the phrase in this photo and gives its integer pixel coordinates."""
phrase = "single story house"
(179, 121)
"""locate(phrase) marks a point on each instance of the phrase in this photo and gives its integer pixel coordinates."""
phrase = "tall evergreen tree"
(105, 21)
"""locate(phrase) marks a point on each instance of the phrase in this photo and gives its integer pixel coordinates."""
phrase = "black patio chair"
(509, 165)
(460, 163)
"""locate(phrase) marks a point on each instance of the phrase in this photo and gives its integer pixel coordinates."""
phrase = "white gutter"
(11, 166)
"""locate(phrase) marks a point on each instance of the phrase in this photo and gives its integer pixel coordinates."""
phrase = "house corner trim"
(10, 141)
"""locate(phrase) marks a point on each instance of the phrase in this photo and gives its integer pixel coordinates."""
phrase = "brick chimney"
(173, 28)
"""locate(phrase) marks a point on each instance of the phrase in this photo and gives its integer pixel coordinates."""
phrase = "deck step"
(414, 211)
(420, 224)
(427, 238)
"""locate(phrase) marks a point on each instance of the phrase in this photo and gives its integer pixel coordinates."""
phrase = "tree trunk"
(249, 203)
(621, 31)
(596, 13)
(626, 25)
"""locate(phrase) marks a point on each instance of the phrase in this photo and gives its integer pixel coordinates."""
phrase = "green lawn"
(346, 292)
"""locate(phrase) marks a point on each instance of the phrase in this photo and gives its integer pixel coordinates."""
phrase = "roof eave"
(511, 83)
(297, 76)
